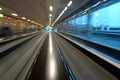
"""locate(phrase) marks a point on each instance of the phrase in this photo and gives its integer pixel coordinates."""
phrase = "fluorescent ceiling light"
(0, 8)
(37, 24)
(1, 15)
(23, 18)
(28, 20)
(104, 0)
(65, 8)
(51, 8)
(50, 15)
(14, 14)
(69, 4)
(62, 12)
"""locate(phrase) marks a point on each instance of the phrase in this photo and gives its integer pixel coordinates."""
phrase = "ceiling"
(38, 10)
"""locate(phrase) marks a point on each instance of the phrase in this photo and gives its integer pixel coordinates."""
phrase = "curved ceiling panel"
(38, 10)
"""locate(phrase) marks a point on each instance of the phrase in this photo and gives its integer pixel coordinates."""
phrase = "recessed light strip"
(65, 9)
(23, 18)
(69, 4)
(0, 8)
(51, 8)
(14, 14)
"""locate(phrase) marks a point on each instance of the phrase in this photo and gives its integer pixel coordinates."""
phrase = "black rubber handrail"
(13, 39)
(7, 51)
(114, 53)
(66, 63)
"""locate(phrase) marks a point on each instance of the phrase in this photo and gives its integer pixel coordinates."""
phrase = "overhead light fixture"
(37, 23)
(1, 15)
(65, 8)
(28, 20)
(32, 22)
(62, 12)
(0, 8)
(50, 15)
(69, 4)
(14, 14)
(51, 8)
(104, 0)
(23, 18)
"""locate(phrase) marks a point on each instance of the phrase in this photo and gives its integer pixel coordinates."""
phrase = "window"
(106, 17)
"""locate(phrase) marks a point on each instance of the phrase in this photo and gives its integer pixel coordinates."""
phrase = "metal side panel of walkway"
(82, 66)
